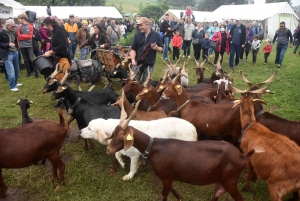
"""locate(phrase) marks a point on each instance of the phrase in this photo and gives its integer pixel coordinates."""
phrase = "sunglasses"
(13, 26)
(281, 26)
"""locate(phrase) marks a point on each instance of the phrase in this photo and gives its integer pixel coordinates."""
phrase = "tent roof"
(253, 11)
(12, 3)
(200, 16)
(80, 11)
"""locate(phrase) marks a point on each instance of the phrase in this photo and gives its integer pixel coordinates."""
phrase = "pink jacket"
(43, 33)
(218, 37)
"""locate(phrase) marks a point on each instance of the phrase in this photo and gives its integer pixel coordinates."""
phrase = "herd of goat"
(164, 122)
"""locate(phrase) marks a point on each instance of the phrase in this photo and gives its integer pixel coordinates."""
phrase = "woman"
(222, 37)
(197, 37)
(98, 40)
(211, 31)
(59, 45)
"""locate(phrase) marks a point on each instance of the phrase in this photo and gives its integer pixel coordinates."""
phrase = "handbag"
(214, 44)
(195, 41)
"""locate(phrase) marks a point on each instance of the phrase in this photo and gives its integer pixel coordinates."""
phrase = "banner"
(5, 12)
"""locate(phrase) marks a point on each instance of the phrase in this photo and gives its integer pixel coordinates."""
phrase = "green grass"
(87, 173)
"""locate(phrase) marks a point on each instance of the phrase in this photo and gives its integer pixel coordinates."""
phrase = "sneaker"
(14, 89)
(166, 59)
(236, 64)
(278, 65)
(18, 84)
(189, 56)
(211, 55)
(28, 75)
(183, 56)
(265, 63)
(173, 60)
(37, 77)
(246, 59)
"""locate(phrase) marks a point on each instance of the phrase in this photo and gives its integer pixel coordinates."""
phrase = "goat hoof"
(113, 169)
(126, 177)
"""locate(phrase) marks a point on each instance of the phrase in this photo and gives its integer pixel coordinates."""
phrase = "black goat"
(25, 105)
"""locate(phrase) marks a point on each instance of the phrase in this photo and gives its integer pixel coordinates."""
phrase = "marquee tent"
(9, 7)
(269, 15)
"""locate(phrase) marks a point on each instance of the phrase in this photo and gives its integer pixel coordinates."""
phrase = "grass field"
(87, 173)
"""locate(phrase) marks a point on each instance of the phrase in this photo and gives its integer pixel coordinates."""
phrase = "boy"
(255, 48)
(205, 46)
(176, 43)
(267, 50)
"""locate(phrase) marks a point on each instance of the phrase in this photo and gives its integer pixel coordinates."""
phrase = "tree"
(211, 5)
(153, 11)
(63, 2)
(164, 5)
(141, 7)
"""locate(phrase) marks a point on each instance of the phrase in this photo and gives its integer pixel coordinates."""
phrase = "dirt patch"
(65, 159)
(14, 195)
(73, 134)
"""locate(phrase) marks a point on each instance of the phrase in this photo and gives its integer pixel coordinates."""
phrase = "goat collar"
(244, 130)
(146, 153)
(71, 109)
(153, 106)
(181, 106)
(259, 113)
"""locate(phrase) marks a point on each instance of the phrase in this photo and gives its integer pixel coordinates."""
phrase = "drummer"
(59, 45)
(98, 40)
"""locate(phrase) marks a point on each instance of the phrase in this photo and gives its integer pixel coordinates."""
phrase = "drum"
(45, 65)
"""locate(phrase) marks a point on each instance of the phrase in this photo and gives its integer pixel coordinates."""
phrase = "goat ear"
(258, 100)
(178, 89)
(30, 102)
(236, 102)
(18, 102)
(128, 139)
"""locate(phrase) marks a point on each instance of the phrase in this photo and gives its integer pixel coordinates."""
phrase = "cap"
(143, 20)
(30, 20)
(71, 15)
(84, 22)
(137, 15)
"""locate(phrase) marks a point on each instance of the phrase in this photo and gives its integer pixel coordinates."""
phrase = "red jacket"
(25, 36)
(267, 49)
(218, 37)
(177, 41)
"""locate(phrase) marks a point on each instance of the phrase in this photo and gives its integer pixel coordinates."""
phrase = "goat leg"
(249, 175)
(114, 165)
(61, 167)
(167, 185)
(220, 190)
(86, 147)
(92, 146)
(3, 187)
(177, 194)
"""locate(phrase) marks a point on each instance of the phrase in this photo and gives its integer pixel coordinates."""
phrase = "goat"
(224, 94)
(25, 105)
(279, 165)
(198, 163)
(26, 145)
(101, 130)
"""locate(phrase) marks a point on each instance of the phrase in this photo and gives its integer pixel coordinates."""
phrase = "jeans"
(12, 68)
(28, 57)
(166, 46)
(186, 47)
(210, 51)
(254, 55)
(280, 51)
(297, 46)
(84, 53)
(234, 49)
(247, 49)
(266, 55)
(204, 54)
(144, 72)
(72, 49)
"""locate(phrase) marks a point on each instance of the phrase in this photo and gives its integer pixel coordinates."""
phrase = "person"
(297, 39)
(77, 21)
(99, 20)
(294, 35)
(254, 28)
(180, 26)
(173, 23)
(176, 43)
(123, 29)
(189, 27)
(267, 50)
(114, 32)
(35, 38)
(165, 27)
(98, 40)
(131, 27)
(205, 46)
(145, 44)
(126, 23)
(282, 35)
(249, 39)
(90, 21)
(3, 24)
(261, 32)
(230, 24)
(223, 37)
(211, 31)
(45, 38)
(154, 25)
(137, 18)
(198, 36)
(238, 38)
(9, 53)
(255, 48)
(25, 34)
(104, 23)
(71, 28)
(81, 36)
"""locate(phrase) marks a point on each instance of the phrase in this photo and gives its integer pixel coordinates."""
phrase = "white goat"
(101, 130)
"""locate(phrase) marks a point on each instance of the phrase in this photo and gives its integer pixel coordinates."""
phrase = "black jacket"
(243, 33)
(4, 44)
(59, 42)
(164, 28)
(36, 39)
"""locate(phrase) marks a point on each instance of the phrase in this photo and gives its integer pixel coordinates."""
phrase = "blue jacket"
(205, 44)
(4, 44)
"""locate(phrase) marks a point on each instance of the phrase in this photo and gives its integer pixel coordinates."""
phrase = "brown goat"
(279, 165)
(211, 162)
(26, 145)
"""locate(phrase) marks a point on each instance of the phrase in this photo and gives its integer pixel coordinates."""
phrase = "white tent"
(269, 15)
(8, 8)
(200, 16)
(80, 11)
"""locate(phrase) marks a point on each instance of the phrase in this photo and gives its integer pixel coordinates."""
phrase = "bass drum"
(45, 65)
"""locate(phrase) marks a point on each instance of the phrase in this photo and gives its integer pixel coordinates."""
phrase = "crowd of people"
(45, 38)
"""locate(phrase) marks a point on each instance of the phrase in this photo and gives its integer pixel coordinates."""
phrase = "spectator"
(211, 31)
(176, 43)
(187, 39)
(249, 39)
(131, 26)
(35, 38)
(25, 34)
(283, 34)
(45, 38)
(9, 53)
(294, 35)
(137, 18)
(154, 26)
(206, 26)
(180, 27)
(104, 23)
(114, 32)
(267, 50)
(81, 36)
(222, 37)
(90, 23)
(77, 21)
(173, 23)
(205, 46)
(3, 24)
(297, 39)
(165, 27)
(254, 28)
(99, 20)
(230, 24)
(127, 23)
(255, 48)
(261, 33)
(238, 38)
(198, 36)
(41, 20)
(71, 28)
(123, 29)
(143, 49)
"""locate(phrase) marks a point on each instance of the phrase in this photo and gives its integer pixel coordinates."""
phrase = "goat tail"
(62, 121)
(255, 150)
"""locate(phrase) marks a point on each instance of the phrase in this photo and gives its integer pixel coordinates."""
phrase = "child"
(173, 23)
(188, 11)
(45, 39)
(176, 43)
(267, 50)
(255, 48)
(205, 46)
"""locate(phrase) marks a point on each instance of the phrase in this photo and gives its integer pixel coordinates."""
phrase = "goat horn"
(236, 90)
(146, 83)
(124, 124)
(219, 63)
(164, 77)
(270, 80)
(228, 75)
(260, 91)
(131, 71)
(175, 79)
(123, 113)
(165, 62)
(250, 84)
(202, 64)
(206, 69)
(26, 96)
(137, 72)
(62, 81)
(117, 66)
(178, 60)
(56, 71)
(197, 63)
